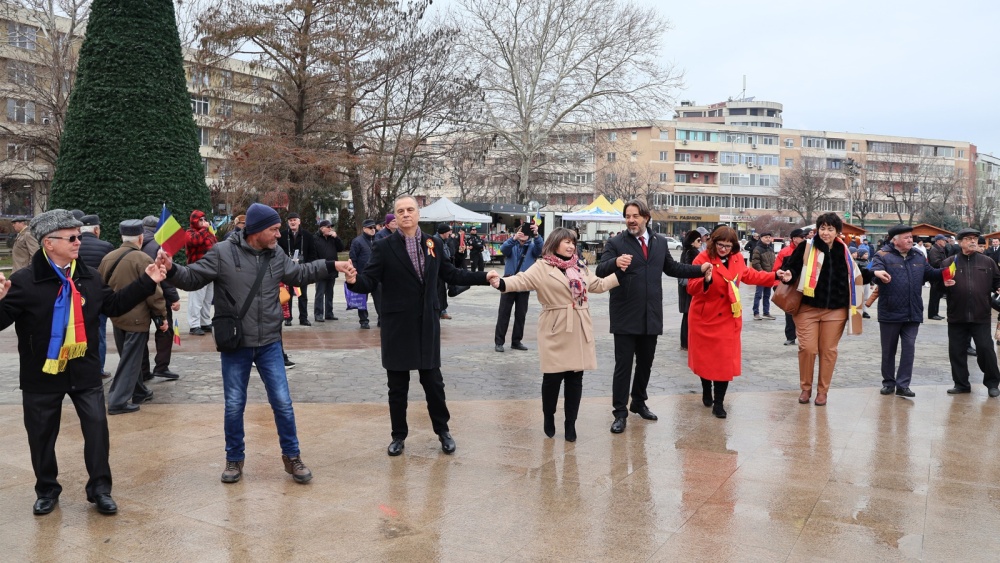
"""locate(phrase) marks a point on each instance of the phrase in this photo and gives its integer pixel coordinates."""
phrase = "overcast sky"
(893, 67)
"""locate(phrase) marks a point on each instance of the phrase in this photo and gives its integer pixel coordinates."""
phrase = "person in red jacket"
(797, 236)
(715, 318)
(199, 240)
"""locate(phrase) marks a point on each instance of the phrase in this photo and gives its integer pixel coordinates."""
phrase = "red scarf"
(571, 268)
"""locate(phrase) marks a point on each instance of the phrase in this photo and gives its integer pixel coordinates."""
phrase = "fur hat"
(130, 228)
(260, 217)
(51, 221)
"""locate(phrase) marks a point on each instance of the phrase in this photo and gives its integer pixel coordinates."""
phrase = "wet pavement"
(866, 478)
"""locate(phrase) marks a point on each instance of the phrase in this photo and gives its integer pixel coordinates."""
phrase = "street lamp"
(851, 171)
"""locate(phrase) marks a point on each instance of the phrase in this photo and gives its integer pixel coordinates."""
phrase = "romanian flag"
(177, 332)
(949, 272)
(169, 234)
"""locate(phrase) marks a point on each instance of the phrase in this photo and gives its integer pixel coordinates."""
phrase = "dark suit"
(411, 330)
(301, 241)
(636, 310)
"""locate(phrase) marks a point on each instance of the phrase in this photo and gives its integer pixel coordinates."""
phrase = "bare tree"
(547, 63)
(862, 191)
(622, 172)
(805, 189)
(771, 223)
(983, 195)
(44, 38)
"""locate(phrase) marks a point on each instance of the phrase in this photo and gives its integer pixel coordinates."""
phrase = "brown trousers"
(819, 331)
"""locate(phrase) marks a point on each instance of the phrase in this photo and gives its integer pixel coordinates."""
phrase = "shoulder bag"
(227, 328)
(787, 297)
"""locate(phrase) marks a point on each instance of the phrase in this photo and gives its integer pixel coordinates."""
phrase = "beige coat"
(565, 330)
(25, 247)
(132, 266)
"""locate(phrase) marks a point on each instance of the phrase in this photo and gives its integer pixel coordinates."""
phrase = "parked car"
(673, 243)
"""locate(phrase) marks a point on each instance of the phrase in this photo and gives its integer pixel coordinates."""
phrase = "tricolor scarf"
(811, 266)
(571, 267)
(69, 335)
(734, 293)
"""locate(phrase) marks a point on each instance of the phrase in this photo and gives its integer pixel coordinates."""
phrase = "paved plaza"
(866, 478)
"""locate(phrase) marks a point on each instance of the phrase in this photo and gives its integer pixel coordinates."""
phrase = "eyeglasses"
(71, 238)
(723, 245)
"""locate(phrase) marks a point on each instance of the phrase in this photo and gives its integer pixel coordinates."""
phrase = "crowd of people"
(74, 282)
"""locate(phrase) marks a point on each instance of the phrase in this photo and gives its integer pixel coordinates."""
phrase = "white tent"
(595, 215)
(444, 210)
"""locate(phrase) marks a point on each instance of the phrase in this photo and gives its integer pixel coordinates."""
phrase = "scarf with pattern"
(571, 268)
(69, 335)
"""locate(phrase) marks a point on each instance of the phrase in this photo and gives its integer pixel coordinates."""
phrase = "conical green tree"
(130, 142)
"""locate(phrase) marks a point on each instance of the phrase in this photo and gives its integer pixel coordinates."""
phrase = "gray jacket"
(232, 265)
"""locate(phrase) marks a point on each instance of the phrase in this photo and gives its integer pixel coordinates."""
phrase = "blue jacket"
(512, 252)
(900, 300)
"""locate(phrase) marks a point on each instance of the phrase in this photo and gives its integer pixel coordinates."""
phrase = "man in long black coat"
(408, 264)
(636, 306)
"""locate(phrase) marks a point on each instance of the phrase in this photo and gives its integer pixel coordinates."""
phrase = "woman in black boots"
(565, 331)
(693, 243)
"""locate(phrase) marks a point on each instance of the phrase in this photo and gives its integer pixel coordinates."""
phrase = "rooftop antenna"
(743, 94)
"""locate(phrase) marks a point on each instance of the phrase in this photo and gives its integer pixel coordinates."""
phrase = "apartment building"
(747, 112)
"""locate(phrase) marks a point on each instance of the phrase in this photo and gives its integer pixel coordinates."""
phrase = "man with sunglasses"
(54, 305)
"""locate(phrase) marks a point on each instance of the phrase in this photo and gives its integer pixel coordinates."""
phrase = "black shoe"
(107, 374)
(994, 392)
(958, 391)
(196, 332)
(105, 504)
(517, 346)
(706, 398)
(44, 505)
(904, 392)
(166, 374)
(498, 348)
(129, 407)
(936, 318)
(331, 317)
(447, 443)
(970, 351)
(887, 390)
(378, 324)
(718, 411)
(147, 376)
(395, 448)
(288, 322)
(618, 426)
(365, 325)
(207, 328)
(570, 428)
(644, 412)
(289, 364)
(550, 425)
(140, 399)
(865, 316)
(320, 319)
(305, 322)
(790, 342)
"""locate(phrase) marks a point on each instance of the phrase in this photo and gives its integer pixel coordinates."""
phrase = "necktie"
(645, 251)
(66, 271)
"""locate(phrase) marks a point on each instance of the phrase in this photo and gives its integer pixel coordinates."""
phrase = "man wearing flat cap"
(298, 245)
(92, 251)
(442, 239)
(328, 245)
(976, 277)
(54, 305)
(131, 330)
(900, 273)
(935, 257)
(25, 244)
(361, 253)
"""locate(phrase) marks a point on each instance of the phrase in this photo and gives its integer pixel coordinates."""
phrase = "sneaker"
(233, 472)
(757, 317)
(768, 316)
(289, 364)
(206, 329)
(297, 469)
(865, 316)
(196, 331)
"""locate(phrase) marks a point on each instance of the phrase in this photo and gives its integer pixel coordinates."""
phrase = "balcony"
(684, 166)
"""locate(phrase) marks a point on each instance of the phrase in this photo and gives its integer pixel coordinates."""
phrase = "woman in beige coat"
(565, 331)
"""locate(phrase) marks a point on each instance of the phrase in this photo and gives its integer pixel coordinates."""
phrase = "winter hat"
(151, 221)
(389, 218)
(325, 223)
(444, 228)
(260, 217)
(130, 228)
(196, 216)
(51, 221)
(77, 214)
(91, 220)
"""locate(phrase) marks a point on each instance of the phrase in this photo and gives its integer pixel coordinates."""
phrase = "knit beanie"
(260, 217)
(389, 218)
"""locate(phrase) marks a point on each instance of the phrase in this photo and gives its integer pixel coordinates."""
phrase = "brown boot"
(297, 469)
(233, 472)
(804, 397)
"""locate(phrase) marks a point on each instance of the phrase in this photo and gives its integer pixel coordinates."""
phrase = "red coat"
(714, 349)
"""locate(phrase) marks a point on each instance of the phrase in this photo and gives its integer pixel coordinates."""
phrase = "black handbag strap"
(111, 272)
(256, 286)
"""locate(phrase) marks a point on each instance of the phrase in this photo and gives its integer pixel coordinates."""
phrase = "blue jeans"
(765, 292)
(235, 378)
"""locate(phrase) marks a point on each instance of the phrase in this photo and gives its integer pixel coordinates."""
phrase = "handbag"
(354, 300)
(283, 295)
(227, 328)
(787, 297)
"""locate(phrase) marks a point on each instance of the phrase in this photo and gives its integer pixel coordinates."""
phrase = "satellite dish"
(534, 205)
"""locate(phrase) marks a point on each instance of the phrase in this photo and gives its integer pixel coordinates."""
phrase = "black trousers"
(684, 330)
(892, 334)
(303, 304)
(986, 356)
(477, 261)
(574, 390)
(517, 300)
(323, 308)
(437, 408)
(934, 301)
(42, 415)
(443, 295)
(789, 327)
(164, 342)
(641, 348)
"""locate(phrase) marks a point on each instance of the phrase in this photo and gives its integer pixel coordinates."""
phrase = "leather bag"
(787, 297)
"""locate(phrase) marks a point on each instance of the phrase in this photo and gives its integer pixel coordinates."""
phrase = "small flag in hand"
(177, 332)
(169, 234)
(949, 272)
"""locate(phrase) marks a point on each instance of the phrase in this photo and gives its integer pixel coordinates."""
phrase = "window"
(834, 164)
(20, 152)
(664, 177)
(947, 152)
(664, 135)
(224, 108)
(681, 178)
(854, 147)
(836, 144)
(961, 153)
(683, 156)
(789, 163)
(226, 79)
(789, 143)
(21, 35)
(203, 136)
(664, 156)
(20, 111)
(768, 140)
(610, 178)
(612, 135)
(199, 79)
(711, 136)
(199, 105)
(20, 73)
(635, 135)
(632, 157)
(813, 142)
(611, 157)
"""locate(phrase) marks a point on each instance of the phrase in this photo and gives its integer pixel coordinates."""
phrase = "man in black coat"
(163, 340)
(298, 245)
(361, 253)
(328, 245)
(408, 265)
(636, 306)
(92, 251)
(476, 246)
(935, 257)
(28, 301)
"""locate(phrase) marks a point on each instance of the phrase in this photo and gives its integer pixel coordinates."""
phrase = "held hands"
(347, 268)
(886, 278)
(165, 260)
(949, 283)
(784, 275)
(493, 278)
(707, 271)
(156, 272)
(4, 286)
(623, 261)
